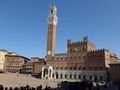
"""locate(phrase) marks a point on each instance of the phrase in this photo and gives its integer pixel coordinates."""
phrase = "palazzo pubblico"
(82, 60)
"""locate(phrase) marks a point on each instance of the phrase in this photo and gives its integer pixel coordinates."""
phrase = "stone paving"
(8, 80)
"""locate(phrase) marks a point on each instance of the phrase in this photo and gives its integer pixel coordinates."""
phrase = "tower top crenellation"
(85, 39)
(52, 18)
(99, 50)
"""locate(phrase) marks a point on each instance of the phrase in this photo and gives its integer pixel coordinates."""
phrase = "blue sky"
(23, 25)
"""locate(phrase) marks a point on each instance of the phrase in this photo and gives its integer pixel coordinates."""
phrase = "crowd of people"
(65, 85)
(85, 85)
(60, 86)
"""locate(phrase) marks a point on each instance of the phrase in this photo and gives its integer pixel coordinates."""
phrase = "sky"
(23, 25)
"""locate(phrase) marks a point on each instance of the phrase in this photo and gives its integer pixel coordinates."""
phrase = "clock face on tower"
(49, 52)
(76, 48)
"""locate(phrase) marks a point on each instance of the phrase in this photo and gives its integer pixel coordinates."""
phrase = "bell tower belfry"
(51, 38)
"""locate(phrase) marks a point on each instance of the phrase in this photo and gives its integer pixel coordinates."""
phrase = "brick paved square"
(15, 81)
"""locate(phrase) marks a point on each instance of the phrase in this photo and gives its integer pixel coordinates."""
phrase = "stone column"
(42, 73)
(104, 77)
(92, 78)
(51, 73)
(63, 76)
(68, 76)
(72, 76)
(98, 78)
(87, 77)
(54, 75)
(59, 75)
(76, 76)
(48, 73)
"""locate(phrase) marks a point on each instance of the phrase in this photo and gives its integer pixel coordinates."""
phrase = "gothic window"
(75, 68)
(89, 56)
(74, 76)
(57, 58)
(94, 56)
(90, 68)
(65, 58)
(61, 58)
(95, 68)
(90, 77)
(56, 68)
(71, 68)
(71, 50)
(65, 75)
(83, 48)
(61, 76)
(79, 57)
(74, 58)
(101, 78)
(79, 68)
(61, 68)
(100, 56)
(52, 75)
(83, 57)
(70, 76)
(51, 11)
(84, 77)
(79, 76)
(100, 68)
(65, 68)
(52, 58)
(70, 58)
(84, 68)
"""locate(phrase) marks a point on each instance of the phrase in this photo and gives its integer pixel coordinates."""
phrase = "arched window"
(52, 75)
(61, 76)
(83, 48)
(70, 76)
(74, 58)
(57, 58)
(75, 68)
(51, 11)
(84, 68)
(61, 58)
(52, 58)
(70, 58)
(56, 68)
(94, 56)
(65, 68)
(83, 57)
(84, 77)
(79, 76)
(65, 75)
(75, 76)
(65, 58)
(90, 68)
(71, 68)
(100, 56)
(79, 57)
(95, 68)
(89, 56)
(100, 68)
(79, 68)
(90, 77)
(61, 68)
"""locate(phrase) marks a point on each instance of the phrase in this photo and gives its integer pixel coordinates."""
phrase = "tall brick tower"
(51, 39)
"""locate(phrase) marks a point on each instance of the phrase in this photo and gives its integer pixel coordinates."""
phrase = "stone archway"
(50, 75)
(47, 72)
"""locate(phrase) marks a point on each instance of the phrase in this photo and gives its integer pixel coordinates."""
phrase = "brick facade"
(82, 60)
